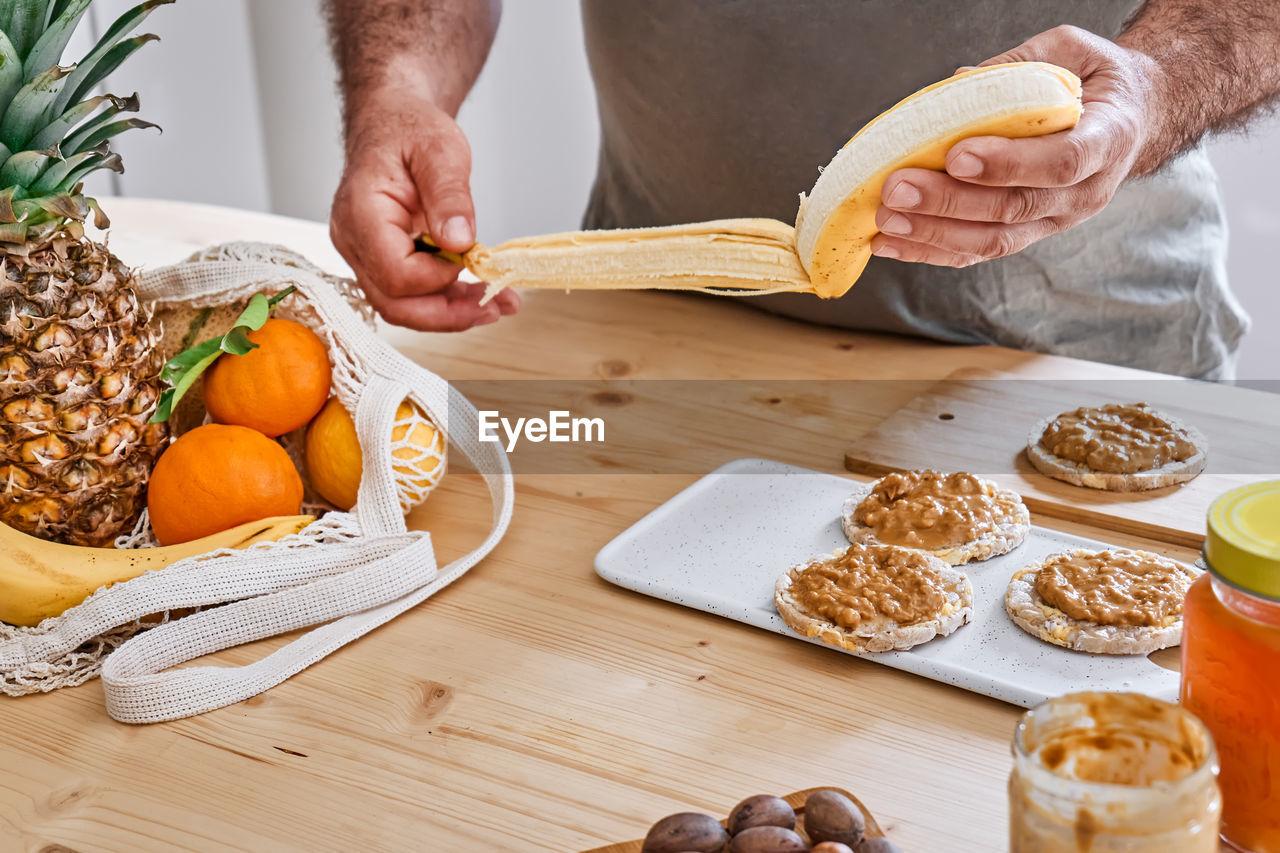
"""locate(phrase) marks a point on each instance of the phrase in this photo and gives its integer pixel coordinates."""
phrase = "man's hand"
(404, 69)
(998, 195)
(408, 171)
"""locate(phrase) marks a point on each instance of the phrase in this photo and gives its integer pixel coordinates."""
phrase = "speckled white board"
(720, 544)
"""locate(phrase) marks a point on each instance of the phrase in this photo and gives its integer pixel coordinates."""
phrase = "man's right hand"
(407, 173)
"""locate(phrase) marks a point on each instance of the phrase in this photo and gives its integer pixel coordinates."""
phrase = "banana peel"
(40, 579)
(826, 251)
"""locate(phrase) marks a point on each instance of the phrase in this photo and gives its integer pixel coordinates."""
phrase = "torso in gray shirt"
(716, 109)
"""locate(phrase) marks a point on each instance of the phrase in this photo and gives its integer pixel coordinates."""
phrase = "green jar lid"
(1243, 541)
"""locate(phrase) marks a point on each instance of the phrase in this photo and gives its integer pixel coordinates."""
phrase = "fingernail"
(904, 196)
(488, 319)
(886, 251)
(457, 231)
(965, 166)
(896, 224)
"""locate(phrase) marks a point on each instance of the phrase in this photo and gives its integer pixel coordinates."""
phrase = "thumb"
(441, 169)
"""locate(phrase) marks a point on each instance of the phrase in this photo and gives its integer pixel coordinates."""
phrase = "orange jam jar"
(1231, 659)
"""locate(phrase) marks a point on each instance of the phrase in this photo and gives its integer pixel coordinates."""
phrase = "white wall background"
(244, 90)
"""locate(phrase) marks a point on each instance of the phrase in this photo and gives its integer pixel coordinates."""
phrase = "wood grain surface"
(796, 799)
(530, 705)
(979, 421)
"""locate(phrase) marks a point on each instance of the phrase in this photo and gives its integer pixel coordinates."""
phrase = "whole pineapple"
(79, 366)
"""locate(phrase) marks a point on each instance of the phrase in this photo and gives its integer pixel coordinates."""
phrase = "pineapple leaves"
(110, 62)
(104, 133)
(23, 168)
(49, 47)
(23, 20)
(56, 130)
(11, 78)
(7, 212)
(185, 368)
(67, 173)
(32, 106)
(105, 56)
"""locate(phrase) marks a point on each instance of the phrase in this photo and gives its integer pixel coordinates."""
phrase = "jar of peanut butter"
(1110, 772)
(1231, 659)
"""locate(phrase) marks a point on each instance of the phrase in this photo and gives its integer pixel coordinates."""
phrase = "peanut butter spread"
(929, 510)
(870, 581)
(1114, 587)
(1116, 439)
(1132, 740)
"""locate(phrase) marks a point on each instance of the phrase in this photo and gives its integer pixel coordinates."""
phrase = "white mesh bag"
(347, 572)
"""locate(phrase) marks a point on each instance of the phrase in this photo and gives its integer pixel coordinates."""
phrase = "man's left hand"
(998, 196)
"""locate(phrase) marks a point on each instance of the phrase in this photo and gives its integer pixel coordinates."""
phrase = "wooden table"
(532, 706)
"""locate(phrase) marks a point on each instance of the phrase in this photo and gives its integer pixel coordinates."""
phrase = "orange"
(334, 463)
(275, 388)
(215, 477)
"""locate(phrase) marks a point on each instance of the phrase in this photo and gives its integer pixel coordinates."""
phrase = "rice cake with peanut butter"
(874, 598)
(1117, 447)
(958, 518)
(1115, 602)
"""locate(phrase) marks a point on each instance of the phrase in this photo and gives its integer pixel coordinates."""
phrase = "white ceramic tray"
(720, 544)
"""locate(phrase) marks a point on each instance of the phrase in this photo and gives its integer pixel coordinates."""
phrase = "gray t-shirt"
(716, 109)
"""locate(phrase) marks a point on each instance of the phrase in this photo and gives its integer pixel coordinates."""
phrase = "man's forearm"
(1217, 63)
(432, 48)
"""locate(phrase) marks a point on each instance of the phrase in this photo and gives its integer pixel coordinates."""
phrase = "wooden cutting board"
(795, 800)
(978, 421)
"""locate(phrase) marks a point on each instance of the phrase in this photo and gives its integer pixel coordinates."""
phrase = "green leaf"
(184, 368)
(170, 398)
(279, 297)
(181, 363)
(255, 313)
(237, 342)
(48, 48)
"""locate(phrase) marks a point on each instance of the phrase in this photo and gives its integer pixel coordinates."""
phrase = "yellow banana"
(39, 579)
(831, 242)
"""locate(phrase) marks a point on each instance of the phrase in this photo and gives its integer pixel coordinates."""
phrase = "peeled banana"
(39, 579)
(829, 247)
(836, 220)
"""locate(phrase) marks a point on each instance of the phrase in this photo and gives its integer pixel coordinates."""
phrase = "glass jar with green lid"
(1231, 659)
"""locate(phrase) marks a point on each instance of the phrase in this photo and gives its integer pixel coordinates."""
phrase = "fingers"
(936, 240)
(371, 229)
(441, 170)
(1062, 159)
(938, 194)
(454, 309)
